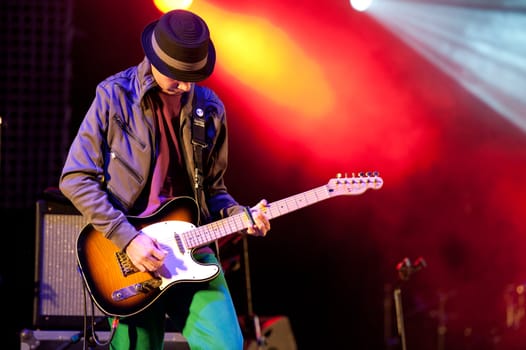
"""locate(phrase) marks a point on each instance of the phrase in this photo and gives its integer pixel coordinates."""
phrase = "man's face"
(168, 85)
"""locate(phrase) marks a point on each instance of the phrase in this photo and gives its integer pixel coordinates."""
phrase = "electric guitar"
(119, 289)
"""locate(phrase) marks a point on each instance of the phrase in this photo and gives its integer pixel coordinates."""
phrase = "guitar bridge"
(136, 289)
(127, 267)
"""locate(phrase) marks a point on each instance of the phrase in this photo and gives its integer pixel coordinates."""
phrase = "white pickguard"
(179, 264)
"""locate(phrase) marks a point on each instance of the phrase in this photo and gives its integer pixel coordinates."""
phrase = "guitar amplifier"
(60, 298)
(276, 334)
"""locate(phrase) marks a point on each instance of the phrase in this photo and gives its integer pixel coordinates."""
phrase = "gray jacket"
(112, 156)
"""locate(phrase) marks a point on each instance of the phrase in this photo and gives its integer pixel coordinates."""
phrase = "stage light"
(252, 49)
(481, 45)
(167, 5)
(361, 5)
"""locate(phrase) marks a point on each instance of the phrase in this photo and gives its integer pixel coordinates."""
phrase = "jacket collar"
(145, 78)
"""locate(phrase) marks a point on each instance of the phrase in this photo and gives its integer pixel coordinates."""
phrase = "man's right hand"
(145, 253)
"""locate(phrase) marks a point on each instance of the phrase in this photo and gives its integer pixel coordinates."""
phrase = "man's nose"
(184, 86)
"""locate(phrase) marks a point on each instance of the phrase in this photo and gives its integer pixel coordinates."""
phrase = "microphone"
(405, 268)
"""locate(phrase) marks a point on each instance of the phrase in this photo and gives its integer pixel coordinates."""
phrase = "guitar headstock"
(355, 184)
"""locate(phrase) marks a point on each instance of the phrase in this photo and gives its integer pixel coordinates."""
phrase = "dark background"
(453, 169)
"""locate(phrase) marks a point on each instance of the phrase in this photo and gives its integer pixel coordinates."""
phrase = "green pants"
(202, 311)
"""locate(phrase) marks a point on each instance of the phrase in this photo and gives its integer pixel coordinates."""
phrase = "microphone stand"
(405, 270)
(1, 126)
(397, 295)
(251, 316)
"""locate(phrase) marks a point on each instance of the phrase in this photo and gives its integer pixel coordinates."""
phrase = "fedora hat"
(179, 46)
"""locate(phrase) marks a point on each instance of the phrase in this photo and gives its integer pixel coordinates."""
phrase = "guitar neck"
(208, 233)
(338, 186)
(298, 201)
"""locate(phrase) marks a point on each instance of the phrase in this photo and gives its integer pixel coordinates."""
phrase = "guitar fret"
(199, 236)
(211, 232)
(298, 201)
(205, 234)
(237, 223)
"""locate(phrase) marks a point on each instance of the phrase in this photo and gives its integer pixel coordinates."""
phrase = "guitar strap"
(199, 145)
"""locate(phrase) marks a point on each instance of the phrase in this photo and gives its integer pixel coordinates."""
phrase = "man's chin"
(173, 92)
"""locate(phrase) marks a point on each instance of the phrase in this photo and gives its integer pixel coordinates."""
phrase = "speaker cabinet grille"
(60, 298)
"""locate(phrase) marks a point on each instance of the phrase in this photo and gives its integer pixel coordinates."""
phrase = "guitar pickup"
(136, 289)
